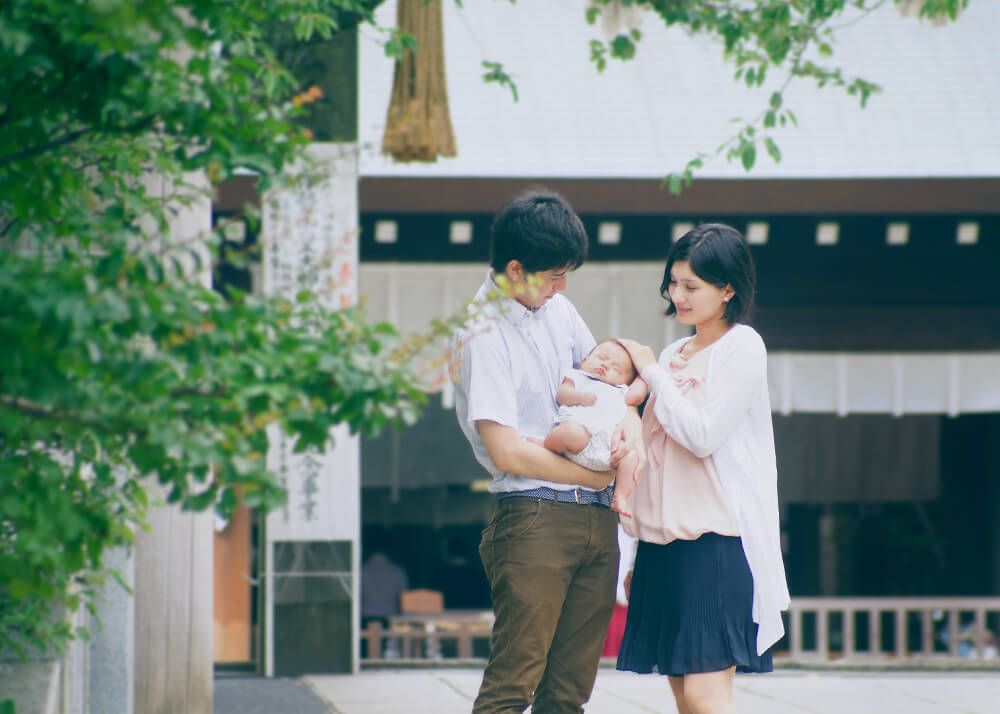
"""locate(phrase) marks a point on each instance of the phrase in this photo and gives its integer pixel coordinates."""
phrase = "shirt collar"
(506, 307)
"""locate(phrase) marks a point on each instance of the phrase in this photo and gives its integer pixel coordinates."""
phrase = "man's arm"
(510, 453)
(569, 396)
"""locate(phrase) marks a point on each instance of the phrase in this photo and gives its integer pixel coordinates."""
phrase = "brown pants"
(553, 568)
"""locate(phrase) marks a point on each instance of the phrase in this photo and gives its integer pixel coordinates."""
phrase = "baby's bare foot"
(619, 508)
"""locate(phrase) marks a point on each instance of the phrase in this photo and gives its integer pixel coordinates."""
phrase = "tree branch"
(865, 12)
(34, 409)
(7, 226)
(72, 136)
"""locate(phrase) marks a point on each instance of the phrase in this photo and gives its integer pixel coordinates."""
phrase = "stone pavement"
(451, 691)
(255, 695)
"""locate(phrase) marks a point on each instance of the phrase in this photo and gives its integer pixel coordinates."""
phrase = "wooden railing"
(817, 629)
(462, 640)
(826, 628)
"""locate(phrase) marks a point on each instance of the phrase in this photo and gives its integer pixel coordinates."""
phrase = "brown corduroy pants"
(553, 569)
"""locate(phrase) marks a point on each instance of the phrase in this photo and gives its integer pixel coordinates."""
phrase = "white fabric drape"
(620, 299)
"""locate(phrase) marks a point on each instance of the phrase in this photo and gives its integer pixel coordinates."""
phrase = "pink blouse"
(679, 496)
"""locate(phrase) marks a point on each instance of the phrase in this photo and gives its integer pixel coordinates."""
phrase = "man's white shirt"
(510, 364)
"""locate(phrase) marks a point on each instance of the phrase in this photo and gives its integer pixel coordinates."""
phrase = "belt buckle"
(576, 493)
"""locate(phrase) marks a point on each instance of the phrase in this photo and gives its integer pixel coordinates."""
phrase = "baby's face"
(610, 363)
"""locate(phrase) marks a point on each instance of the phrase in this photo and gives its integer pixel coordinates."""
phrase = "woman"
(708, 585)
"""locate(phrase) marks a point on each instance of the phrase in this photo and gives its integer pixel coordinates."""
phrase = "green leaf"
(622, 47)
(598, 54)
(496, 73)
(748, 155)
(201, 501)
(772, 149)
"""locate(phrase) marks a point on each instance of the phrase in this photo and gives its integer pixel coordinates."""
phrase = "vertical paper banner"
(310, 239)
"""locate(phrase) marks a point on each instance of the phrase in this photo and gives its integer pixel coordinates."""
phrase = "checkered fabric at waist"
(576, 495)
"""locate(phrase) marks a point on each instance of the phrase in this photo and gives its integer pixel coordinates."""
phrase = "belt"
(576, 495)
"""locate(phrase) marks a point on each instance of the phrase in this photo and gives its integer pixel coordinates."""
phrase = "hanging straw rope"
(418, 123)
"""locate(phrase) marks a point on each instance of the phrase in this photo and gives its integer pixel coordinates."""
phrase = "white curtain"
(622, 299)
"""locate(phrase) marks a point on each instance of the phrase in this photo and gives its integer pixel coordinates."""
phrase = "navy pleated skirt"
(690, 609)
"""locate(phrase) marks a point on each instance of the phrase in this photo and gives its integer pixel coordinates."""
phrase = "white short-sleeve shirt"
(509, 368)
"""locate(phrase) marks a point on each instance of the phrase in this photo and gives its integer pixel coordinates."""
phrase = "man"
(550, 551)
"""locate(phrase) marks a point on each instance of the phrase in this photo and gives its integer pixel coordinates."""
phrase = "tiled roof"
(938, 115)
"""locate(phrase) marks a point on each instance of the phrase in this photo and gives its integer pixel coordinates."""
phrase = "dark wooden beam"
(753, 197)
(881, 328)
(618, 196)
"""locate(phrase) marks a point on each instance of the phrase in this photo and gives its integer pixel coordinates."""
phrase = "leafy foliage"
(118, 365)
(795, 37)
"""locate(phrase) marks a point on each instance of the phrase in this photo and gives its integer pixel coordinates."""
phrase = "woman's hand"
(628, 584)
(642, 356)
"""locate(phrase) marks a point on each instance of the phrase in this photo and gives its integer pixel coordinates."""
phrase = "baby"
(592, 402)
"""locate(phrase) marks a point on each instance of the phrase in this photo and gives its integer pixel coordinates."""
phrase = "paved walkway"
(451, 691)
(255, 695)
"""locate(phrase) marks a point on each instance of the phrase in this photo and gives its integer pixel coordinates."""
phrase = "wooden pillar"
(993, 467)
(827, 552)
(173, 559)
(173, 613)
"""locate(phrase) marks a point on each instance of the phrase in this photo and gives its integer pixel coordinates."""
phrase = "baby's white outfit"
(600, 419)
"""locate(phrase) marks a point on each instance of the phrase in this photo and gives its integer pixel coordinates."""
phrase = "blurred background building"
(877, 242)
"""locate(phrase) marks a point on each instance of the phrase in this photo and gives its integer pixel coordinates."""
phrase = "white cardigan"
(733, 427)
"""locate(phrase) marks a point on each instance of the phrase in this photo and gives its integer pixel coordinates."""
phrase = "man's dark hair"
(539, 229)
(719, 255)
